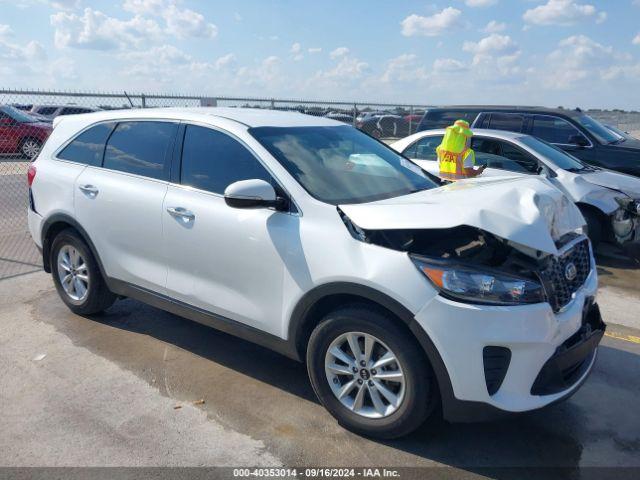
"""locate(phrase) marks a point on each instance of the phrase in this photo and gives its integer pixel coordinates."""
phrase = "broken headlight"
(629, 204)
(473, 284)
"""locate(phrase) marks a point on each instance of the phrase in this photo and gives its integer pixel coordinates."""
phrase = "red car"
(20, 133)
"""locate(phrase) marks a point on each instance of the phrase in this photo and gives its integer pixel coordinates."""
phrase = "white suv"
(311, 238)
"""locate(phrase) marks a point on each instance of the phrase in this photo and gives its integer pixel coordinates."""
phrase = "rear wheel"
(30, 148)
(369, 373)
(76, 275)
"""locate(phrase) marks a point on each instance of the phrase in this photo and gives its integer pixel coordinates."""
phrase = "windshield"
(17, 115)
(341, 164)
(595, 128)
(559, 157)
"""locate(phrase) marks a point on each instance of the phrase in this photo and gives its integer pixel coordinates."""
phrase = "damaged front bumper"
(494, 356)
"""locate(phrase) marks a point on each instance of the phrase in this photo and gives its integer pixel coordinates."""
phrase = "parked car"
(388, 126)
(20, 133)
(608, 200)
(365, 116)
(340, 117)
(52, 111)
(311, 238)
(572, 130)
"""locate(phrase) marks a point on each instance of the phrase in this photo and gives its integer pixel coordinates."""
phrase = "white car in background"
(608, 200)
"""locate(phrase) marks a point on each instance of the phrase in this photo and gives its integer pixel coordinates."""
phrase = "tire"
(69, 249)
(30, 148)
(417, 394)
(594, 226)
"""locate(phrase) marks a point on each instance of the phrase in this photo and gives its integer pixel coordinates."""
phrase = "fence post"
(144, 101)
(410, 120)
(273, 104)
(355, 113)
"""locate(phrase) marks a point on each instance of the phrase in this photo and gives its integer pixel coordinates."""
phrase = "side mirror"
(578, 140)
(251, 194)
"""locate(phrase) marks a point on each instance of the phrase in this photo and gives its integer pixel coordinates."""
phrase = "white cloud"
(296, 51)
(95, 30)
(577, 58)
(339, 52)
(143, 7)
(185, 23)
(494, 27)
(448, 65)
(404, 68)
(494, 43)
(225, 61)
(314, 50)
(432, 26)
(563, 13)
(636, 40)
(32, 51)
(480, 3)
(5, 30)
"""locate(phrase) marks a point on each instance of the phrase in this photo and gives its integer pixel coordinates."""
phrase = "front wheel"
(369, 373)
(594, 226)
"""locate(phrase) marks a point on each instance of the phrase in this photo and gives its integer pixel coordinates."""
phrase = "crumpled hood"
(527, 211)
(618, 181)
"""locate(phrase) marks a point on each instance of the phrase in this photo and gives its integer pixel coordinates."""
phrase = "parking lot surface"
(138, 386)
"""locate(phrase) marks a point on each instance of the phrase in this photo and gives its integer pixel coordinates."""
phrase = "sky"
(546, 52)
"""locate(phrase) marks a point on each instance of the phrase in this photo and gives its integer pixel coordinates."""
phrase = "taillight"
(31, 174)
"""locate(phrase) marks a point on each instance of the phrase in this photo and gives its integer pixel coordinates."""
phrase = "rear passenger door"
(118, 200)
(224, 260)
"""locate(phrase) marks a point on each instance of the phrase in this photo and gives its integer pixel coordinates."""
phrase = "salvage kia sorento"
(311, 238)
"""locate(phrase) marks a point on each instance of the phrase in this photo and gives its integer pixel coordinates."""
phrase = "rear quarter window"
(510, 122)
(88, 147)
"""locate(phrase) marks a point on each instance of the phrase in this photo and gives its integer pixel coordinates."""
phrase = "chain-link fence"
(26, 122)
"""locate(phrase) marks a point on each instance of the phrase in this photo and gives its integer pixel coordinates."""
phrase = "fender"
(46, 242)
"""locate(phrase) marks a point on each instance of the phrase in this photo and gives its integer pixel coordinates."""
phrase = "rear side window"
(424, 149)
(88, 147)
(212, 160)
(47, 110)
(553, 129)
(506, 121)
(141, 148)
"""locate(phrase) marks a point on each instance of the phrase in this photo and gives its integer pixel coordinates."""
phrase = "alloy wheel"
(365, 375)
(73, 273)
(30, 148)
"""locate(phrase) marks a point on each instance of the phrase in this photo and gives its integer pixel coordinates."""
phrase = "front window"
(595, 128)
(341, 164)
(559, 157)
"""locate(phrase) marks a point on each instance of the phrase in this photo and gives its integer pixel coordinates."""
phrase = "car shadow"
(552, 437)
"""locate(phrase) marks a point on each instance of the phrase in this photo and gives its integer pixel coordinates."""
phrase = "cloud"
(577, 58)
(296, 51)
(225, 61)
(563, 13)
(339, 52)
(5, 30)
(494, 43)
(314, 50)
(13, 52)
(636, 40)
(437, 24)
(480, 3)
(143, 7)
(448, 65)
(404, 68)
(494, 27)
(65, 4)
(184, 23)
(97, 31)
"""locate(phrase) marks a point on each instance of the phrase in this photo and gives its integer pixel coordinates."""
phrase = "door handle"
(181, 213)
(89, 189)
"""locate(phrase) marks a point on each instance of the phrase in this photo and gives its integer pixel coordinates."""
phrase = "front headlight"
(479, 285)
(629, 204)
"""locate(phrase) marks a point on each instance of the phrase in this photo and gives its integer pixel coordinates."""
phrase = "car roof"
(499, 134)
(250, 117)
(509, 108)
